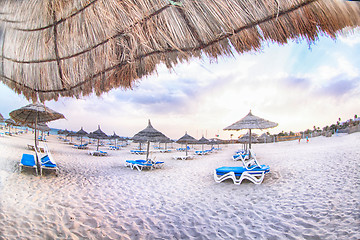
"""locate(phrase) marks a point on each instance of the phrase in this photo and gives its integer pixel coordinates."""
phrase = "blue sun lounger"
(47, 163)
(143, 164)
(137, 151)
(238, 174)
(28, 161)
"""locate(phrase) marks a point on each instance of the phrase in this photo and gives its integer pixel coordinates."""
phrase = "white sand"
(312, 192)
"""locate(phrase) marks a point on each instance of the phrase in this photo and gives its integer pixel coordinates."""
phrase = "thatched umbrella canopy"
(43, 127)
(71, 134)
(166, 141)
(98, 134)
(246, 139)
(186, 139)
(35, 113)
(10, 122)
(203, 141)
(52, 48)
(115, 137)
(217, 141)
(2, 119)
(81, 133)
(149, 134)
(251, 121)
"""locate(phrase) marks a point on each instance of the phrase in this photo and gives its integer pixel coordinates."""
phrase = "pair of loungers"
(81, 146)
(46, 161)
(98, 153)
(251, 170)
(188, 157)
(114, 147)
(143, 164)
(205, 152)
(138, 152)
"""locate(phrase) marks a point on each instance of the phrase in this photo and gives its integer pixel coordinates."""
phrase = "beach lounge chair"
(46, 161)
(251, 170)
(31, 147)
(238, 174)
(114, 147)
(188, 157)
(98, 153)
(143, 164)
(138, 164)
(138, 152)
(249, 161)
(165, 150)
(28, 161)
(81, 146)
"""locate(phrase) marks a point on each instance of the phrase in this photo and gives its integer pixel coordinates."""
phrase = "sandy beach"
(311, 192)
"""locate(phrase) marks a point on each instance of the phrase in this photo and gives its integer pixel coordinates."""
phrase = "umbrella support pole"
(147, 151)
(249, 143)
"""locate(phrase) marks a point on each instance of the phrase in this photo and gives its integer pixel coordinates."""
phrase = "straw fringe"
(54, 48)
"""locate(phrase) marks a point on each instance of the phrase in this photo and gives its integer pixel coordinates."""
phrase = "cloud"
(340, 86)
(296, 82)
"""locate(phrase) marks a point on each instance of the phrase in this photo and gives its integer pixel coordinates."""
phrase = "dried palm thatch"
(251, 121)
(53, 48)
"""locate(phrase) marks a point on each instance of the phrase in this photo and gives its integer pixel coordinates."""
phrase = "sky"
(297, 85)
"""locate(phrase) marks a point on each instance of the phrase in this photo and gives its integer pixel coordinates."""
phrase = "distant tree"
(355, 117)
(333, 127)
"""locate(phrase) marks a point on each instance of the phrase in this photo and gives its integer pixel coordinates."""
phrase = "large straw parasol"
(203, 141)
(10, 122)
(149, 134)
(71, 134)
(98, 134)
(43, 127)
(186, 139)
(251, 121)
(35, 113)
(115, 137)
(81, 133)
(51, 48)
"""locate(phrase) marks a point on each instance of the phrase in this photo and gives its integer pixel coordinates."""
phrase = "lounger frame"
(254, 176)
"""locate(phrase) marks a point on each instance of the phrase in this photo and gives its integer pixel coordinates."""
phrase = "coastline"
(311, 192)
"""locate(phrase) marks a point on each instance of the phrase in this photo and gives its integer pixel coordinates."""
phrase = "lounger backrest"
(252, 161)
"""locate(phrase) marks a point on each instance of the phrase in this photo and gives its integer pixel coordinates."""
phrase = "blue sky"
(296, 85)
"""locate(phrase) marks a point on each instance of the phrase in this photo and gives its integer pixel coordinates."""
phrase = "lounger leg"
(229, 175)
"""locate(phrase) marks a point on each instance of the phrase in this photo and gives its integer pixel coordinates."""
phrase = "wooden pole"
(147, 150)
